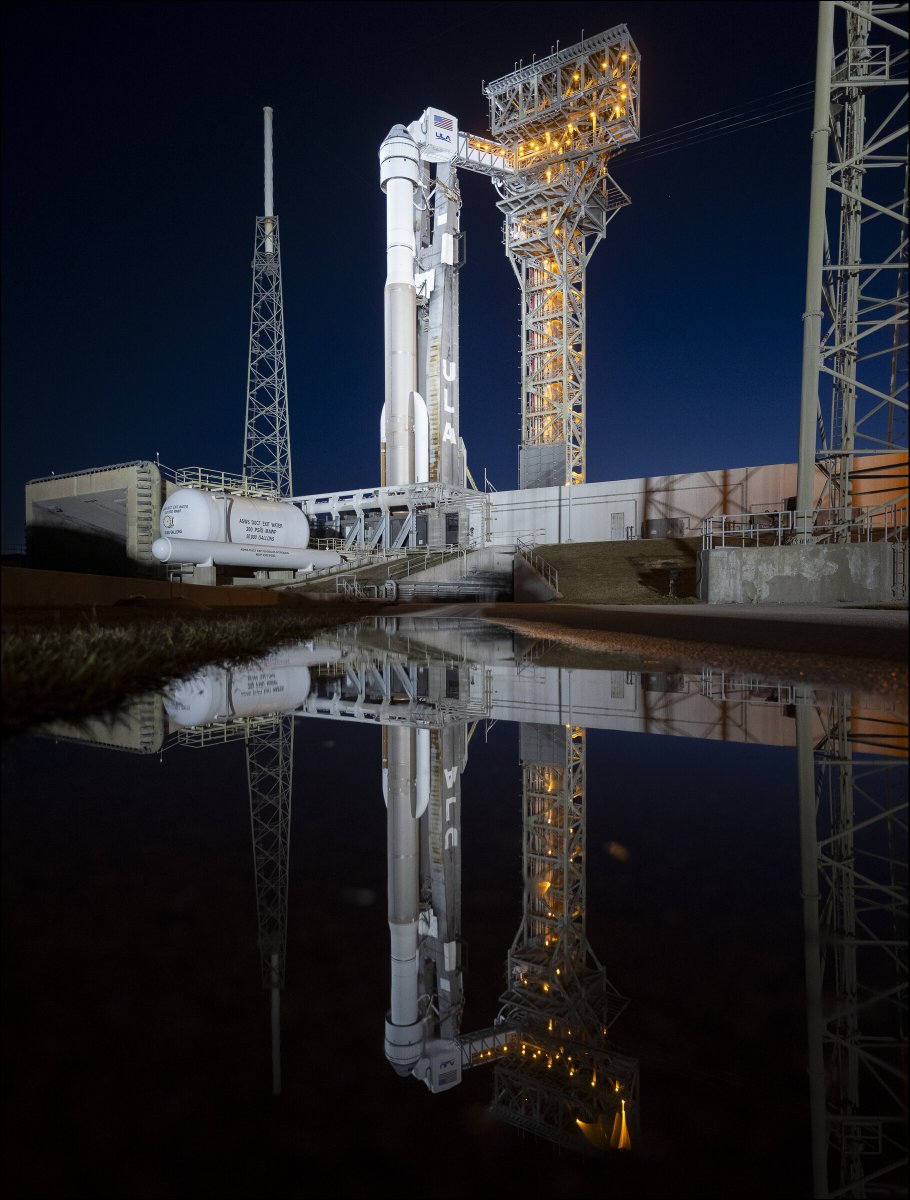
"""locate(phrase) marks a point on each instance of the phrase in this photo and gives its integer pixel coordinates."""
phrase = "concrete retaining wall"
(823, 574)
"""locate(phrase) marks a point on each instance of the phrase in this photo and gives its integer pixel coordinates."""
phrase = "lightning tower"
(853, 836)
(854, 380)
(266, 443)
(267, 465)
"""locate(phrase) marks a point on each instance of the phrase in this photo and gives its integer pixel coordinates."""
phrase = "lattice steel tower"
(266, 442)
(854, 381)
(560, 120)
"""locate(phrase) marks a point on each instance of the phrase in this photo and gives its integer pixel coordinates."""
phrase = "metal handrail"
(546, 570)
(880, 523)
(222, 481)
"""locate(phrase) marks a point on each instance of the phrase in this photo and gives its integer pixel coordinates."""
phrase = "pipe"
(812, 316)
(269, 181)
(237, 554)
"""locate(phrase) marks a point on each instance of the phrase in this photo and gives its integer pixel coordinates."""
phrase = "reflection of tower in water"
(853, 830)
(563, 1076)
(269, 758)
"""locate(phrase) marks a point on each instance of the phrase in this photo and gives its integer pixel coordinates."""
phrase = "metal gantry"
(266, 442)
(558, 122)
(563, 1076)
(853, 825)
(854, 382)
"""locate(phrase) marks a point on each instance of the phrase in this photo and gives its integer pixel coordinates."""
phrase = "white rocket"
(399, 175)
(405, 424)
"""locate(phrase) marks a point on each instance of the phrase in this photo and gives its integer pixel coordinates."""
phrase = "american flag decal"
(442, 122)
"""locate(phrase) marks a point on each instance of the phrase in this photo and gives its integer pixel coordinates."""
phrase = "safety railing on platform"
(544, 569)
(221, 481)
(229, 730)
(883, 523)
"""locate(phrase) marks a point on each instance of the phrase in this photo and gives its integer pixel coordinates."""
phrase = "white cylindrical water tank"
(190, 513)
(210, 517)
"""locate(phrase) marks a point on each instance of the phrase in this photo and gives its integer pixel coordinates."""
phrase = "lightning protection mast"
(560, 120)
(267, 467)
(854, 378)
(266, 443)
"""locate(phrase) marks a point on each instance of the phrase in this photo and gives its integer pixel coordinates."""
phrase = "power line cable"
(779, 105)
(709, 135)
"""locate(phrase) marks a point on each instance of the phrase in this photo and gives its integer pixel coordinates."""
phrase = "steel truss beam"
(266, 443)
(855, 326)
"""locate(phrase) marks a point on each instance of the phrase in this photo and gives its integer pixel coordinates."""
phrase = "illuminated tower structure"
(853, 836)
(854, 378)
(266, 442)
(559, 121)
(563, 1079)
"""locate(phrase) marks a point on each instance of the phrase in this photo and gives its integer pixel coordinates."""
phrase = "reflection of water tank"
(280, 683)
(199, 699)
(254, 691)
(211, 517)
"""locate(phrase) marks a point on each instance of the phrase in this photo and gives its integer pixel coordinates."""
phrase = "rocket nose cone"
(398, 131)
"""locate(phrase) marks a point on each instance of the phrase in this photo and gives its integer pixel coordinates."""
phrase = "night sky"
(132, 176)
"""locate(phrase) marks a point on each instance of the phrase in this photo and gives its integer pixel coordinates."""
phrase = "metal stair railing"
(545, 570)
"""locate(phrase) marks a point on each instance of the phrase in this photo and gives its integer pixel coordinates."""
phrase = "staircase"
(147, 511)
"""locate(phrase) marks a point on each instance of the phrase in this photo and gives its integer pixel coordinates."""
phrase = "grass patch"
(637, 572)
(63, 667)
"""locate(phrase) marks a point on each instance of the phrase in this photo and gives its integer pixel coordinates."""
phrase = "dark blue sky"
(132, 176)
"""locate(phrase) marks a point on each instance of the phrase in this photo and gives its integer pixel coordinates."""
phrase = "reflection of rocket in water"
(404, 1028)
(421, 769)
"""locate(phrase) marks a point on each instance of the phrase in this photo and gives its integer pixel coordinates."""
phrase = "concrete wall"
(99, 520)
(863, 573)
(459, 566)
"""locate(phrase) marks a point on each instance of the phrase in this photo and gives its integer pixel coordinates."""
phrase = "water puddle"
(405, 904)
